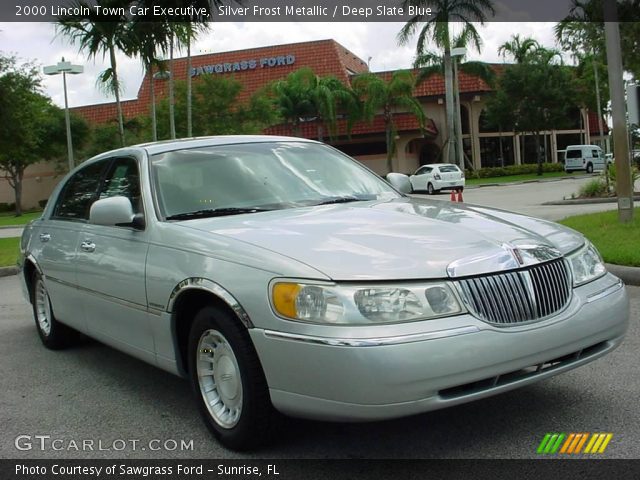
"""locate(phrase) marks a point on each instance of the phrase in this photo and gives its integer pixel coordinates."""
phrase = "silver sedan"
(279, 275)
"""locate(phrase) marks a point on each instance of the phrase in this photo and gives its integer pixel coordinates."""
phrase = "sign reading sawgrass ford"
(252, 64)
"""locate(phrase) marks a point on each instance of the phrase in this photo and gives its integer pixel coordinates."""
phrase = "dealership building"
(256, 67)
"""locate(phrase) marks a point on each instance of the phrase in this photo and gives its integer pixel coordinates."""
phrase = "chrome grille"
(519, 296)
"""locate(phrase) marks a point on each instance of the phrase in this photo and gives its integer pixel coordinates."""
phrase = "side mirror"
(400, 182)
(115, 211)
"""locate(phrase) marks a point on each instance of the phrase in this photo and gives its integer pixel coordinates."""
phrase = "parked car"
(278, 274)
(589, 158)
(436, 177)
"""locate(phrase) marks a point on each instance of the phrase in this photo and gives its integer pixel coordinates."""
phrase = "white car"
(436, 177)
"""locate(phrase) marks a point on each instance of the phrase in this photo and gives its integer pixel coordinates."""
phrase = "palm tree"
(329, 95)
(432, 63)
(149, 40)
(389, 97)
(519, 48)
(100, 34)
(293, 98)
(435, 28)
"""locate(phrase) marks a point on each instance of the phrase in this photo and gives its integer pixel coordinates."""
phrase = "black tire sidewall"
(252, 429)
(430, 189)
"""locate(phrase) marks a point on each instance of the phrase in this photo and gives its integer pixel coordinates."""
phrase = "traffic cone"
(453, 196)
(459, 199)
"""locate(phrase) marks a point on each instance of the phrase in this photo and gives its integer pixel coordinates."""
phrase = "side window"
(79, 193)
(573, 154)
(421, 171)
(428, 169)
(595, 154)
(123, 179)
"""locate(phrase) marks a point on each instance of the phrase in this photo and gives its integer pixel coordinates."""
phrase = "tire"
(589, 168)
(430, 189)
(224, 369)
(54, 335)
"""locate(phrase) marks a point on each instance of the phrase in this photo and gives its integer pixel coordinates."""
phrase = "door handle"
(45, 237)
(88, 246)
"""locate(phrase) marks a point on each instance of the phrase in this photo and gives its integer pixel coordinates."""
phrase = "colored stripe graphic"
(573, 443)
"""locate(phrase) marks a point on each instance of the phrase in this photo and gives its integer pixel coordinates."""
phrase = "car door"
(111, 269)
(420, 179)
(55, 242)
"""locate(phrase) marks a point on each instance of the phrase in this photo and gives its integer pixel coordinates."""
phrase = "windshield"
(253, 177)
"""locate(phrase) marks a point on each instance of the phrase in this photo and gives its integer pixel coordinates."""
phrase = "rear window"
(449, 168)
(574, 154)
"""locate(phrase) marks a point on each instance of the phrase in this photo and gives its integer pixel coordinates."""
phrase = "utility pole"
(619, 113)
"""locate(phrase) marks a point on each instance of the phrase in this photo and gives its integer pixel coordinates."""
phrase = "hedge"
(513, 170)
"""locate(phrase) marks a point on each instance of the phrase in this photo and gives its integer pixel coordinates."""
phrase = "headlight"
(586, 265)
(346, 304)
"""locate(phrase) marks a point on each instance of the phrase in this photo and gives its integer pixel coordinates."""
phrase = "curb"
(7, 271)
(629, 275)
(523, 182)
(589, 201)
(8, 227)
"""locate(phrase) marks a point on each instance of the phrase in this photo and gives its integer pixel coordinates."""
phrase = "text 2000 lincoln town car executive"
(278, 274)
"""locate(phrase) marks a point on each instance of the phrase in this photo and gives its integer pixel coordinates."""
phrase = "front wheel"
(54, 335)
(589, 168)
(228, 381)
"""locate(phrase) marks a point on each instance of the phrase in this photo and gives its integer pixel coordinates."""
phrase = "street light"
(64, 68)
(455, 53)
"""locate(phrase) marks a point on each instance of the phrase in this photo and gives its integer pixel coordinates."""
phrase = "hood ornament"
(511, 256)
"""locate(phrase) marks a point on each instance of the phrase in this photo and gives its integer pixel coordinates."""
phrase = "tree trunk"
(17, 190)
(538, 153)
(501, 151)
(389, 132)
(189, 82)
(154, 120)
(116, 91)
(172, 117)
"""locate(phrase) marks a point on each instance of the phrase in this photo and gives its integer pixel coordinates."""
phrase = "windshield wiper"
(216, 212)
(345, 199)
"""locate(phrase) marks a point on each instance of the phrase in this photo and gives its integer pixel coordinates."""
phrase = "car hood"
(405, 238)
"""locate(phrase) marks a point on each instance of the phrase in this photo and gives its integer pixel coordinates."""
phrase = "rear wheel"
(54, 335)
(430, 189)
(228, 381)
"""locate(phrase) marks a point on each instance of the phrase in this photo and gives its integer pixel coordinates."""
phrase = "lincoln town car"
(280, 276)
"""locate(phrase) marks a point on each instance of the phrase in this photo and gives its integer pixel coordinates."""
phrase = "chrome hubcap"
(219, 378)
(43, 308)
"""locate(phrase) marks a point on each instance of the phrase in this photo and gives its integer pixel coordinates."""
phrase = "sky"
(39, 43)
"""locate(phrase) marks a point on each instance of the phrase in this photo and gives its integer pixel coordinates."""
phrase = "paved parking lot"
(92, 392)
(527, 198)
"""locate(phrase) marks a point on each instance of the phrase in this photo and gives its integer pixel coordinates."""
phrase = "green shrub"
(7, 207)
(635, 175)
(525, 169)
(593, 188)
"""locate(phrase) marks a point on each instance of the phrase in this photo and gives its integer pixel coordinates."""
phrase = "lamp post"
(455, 53)
(64, 67)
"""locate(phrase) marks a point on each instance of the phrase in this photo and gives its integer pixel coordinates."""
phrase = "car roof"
(439, 165)
(154, 148)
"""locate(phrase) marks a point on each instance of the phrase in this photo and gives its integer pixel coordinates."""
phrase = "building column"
(516, 149)
(554, 147)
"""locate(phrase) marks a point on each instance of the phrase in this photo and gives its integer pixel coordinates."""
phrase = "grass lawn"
(9, 218)
(618, 243)
(514, 178)
(9, 251)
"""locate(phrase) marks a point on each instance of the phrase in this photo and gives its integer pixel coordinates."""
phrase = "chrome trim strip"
(198, 283)
(372, 342)
(605, 292)
(119, 301)
(32, 259)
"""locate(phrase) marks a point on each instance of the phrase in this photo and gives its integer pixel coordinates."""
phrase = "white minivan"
(589, 158)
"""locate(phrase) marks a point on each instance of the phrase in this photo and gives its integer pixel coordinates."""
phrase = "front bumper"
(371, 377)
